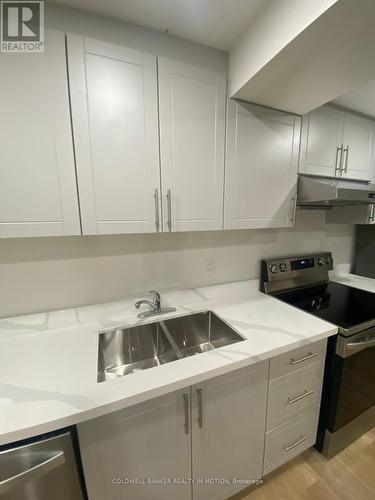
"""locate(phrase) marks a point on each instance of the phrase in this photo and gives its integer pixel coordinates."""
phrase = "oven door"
(353, 379)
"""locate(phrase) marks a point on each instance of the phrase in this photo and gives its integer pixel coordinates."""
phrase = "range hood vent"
(326, 192)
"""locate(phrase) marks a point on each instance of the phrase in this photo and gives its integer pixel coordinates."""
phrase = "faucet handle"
(156, 298)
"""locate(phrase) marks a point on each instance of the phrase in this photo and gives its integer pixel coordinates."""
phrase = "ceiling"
(361, 99)
(216, 23)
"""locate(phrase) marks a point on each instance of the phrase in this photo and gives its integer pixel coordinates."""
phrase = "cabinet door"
(38, 193)
(358, 140)
(228, 422)
(115, 123)
(321, 142)
(192, 127)
(261, 167)
(127, 454)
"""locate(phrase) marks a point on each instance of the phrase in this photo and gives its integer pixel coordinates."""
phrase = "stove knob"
(328, 261)
(283, 267)
(273, 268)
(321, 261)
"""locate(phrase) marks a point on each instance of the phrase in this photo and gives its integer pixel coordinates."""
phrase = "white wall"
(42, 274)
(288, 61)
(274, 27)
(152, 41)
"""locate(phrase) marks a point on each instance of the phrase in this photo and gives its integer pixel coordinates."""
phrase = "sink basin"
(129, 350)
(200, 332)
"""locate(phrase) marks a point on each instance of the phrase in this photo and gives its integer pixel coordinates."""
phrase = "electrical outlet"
(210, 267)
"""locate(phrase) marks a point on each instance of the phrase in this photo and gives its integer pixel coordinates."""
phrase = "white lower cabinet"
(210, 440)
(123, 453)
(290, 439)
(212, 432)
(228, 431)
(293, 403)
(293, 393)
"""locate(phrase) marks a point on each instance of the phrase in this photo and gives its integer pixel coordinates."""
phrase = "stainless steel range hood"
(327, 192)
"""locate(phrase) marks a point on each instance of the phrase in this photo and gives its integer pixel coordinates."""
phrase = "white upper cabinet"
(114, 92)
(115, 124)
(321, 147)
(337, 143)
(261, 167)
(192, 131)
(38, 194)
(358, 140)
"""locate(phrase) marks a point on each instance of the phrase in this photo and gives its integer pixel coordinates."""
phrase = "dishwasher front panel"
(41, 470)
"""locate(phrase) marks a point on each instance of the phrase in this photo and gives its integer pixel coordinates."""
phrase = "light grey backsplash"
(40, 274)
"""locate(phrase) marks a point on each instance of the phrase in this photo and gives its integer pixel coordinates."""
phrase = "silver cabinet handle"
(288, 448)
(298, 398)
(337, 161)
(169, 205)
(346, 153)
(33, 473)
(200, 408)
(305, 358)
(186, 411)
(371, 217)
(157, 216)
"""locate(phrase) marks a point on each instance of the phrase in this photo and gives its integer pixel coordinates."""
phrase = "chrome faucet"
(155, 305)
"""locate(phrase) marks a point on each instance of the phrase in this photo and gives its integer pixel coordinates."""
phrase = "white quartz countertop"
(48, 362)
(355, 281)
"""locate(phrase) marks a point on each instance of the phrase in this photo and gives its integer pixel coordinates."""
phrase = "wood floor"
(350, 475)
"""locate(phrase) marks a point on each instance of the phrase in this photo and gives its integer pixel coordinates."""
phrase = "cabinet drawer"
(290, 439)
(294, 393)
(298, 358)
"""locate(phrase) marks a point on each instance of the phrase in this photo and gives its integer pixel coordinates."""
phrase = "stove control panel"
(296, 270)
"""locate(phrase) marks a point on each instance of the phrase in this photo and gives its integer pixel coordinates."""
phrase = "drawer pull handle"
(298, 398)
(186, 411)
(288, 448)
(310, 355)
(200, 408)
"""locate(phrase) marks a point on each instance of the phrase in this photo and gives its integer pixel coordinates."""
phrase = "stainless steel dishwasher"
(41, 469)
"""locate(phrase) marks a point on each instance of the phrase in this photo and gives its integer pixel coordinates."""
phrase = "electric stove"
(348, 398)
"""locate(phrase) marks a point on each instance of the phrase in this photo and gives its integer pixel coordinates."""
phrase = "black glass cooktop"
(341, 305)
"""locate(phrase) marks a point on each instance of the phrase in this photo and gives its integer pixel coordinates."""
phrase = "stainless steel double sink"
(123, 351)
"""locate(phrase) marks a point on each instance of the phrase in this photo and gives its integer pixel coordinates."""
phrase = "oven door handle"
(353, 346)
